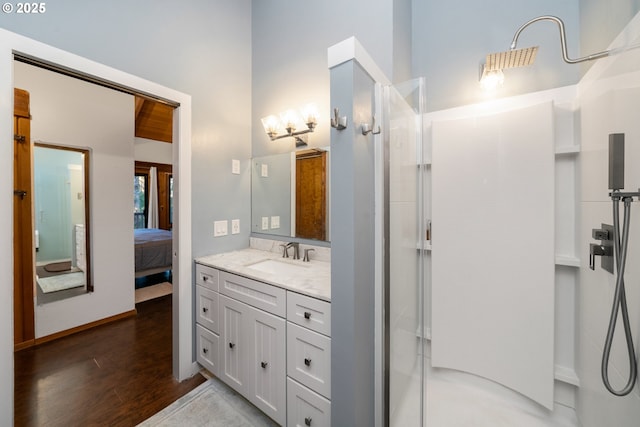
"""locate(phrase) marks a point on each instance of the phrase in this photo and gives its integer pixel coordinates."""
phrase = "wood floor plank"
(117, 374)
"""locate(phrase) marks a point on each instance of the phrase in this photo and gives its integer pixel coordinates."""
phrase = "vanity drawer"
(261, 295)
(207, 277)
(305, 407)
(309, 358)
(309, 312)
(207, 308)
(207, 349)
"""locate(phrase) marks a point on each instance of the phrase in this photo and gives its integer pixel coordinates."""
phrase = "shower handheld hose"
(620, 243)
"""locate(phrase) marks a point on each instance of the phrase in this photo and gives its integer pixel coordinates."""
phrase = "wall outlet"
(265, 222)
(220, 228)
(264, 170)
(235, 167)
(235, 226)
(275, 222)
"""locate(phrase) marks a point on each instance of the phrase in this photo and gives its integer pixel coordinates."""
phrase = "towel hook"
(338, 122)
(371, 128)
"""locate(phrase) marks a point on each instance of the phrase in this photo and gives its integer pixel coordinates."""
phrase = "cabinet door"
(234, 343)
(306, 408)
(267, 385)
(207, 308)
(207, 349)
(309, 358)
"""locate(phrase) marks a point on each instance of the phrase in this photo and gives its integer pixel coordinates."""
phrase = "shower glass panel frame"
(405, 243)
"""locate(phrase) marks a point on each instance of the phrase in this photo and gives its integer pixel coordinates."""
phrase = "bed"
(153, 251)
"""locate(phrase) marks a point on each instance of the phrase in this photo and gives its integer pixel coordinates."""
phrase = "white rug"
(154, 291)
(212, 404)
(61, 282)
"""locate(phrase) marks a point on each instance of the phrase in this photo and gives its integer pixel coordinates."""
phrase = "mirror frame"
(87, 204)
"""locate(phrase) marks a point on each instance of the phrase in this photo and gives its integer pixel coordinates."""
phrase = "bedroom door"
(311, 196)
(23, 274)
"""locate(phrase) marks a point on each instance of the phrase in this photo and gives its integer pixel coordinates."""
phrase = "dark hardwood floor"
(113, 375)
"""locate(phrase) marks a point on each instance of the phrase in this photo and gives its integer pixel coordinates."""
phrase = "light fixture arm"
(290, 132)
(563, 40)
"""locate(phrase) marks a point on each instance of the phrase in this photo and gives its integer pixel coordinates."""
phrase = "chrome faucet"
(306, 254)
(296, 249)
(285, 251)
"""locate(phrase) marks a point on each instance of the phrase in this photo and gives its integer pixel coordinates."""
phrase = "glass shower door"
(405, 242)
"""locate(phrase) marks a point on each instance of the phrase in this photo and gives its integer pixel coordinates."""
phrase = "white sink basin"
(275, 266)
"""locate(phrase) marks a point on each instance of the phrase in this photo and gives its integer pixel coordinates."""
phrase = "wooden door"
(23, 252)
(311, 195)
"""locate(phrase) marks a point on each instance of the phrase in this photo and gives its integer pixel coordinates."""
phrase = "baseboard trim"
(80, 328)
(23, 345)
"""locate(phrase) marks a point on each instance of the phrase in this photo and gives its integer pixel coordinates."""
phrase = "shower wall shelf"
(568, 149)
(566, 375)
(567, 261)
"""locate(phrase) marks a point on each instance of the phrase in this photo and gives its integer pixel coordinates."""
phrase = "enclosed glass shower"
(407, 245)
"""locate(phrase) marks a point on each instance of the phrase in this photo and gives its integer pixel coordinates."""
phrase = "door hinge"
(19, 138)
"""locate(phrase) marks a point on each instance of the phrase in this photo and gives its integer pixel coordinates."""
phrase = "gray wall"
(352, 254)
(202, 48)
(289, 44)
(452, 38)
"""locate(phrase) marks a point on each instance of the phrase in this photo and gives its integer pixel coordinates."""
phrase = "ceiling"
(154, 120)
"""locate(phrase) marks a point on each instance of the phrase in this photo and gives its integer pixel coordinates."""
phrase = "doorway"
(311, 194)
(47, 56)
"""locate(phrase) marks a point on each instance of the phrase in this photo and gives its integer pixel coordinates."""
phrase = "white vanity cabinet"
(271, 345)
(308, 361)
(207, 320)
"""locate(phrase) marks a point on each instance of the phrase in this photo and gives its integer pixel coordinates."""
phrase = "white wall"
(148, 150)
(609, 103)
(68, 111)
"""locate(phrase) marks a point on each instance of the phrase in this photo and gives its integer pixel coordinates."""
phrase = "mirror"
(290, 194)
(61, 210)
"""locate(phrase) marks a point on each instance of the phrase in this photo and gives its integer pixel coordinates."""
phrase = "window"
(164, 195)
(140, 183)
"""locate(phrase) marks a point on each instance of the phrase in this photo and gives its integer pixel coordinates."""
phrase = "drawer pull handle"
(307, 315)
(205, 309)
(264, 365)
(204, 350)
(307, 361)
(231, 345)
(307, 421)
(205, 278)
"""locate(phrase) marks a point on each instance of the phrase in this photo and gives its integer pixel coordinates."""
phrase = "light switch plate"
(235, 167)
(264, 170)
(235, 226)
(265, 222)
(220, 228)
(275, 222)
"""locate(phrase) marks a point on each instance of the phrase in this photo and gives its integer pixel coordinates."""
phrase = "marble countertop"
(312, 278)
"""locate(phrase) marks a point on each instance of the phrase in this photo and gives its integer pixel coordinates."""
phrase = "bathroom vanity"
(263, 326)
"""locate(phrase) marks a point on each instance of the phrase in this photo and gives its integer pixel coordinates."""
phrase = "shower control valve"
(604, 249)
(600, 234)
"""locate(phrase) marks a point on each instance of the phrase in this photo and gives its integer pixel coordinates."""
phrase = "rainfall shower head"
(511, 59)
(514, 58)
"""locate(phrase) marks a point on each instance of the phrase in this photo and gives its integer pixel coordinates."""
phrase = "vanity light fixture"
(286, 124)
